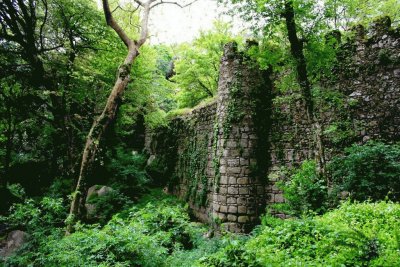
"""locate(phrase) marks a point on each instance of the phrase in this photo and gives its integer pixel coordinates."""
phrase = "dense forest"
(100, 165)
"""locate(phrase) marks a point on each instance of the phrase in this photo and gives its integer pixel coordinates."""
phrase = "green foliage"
(145, 235)
(354, 235)
(32, 215)
(305, 191)
(107, 205)
(197, 65)
(157, 169)
(128, 171)
(369, 171)
(17, 190)
(231, 254)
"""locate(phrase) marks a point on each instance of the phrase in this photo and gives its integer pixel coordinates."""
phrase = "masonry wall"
(361, 101)
(225, 158)
(216, 160)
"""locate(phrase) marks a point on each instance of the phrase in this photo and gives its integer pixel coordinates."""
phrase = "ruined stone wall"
(361, 101)
(217, 160)
(225, 158)
(185, 149)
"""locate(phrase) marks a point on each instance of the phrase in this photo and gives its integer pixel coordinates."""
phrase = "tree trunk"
(96, 132)
(296, 48)
(107, 116)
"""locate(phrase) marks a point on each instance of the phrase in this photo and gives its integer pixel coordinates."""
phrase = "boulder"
(95, 192)
(15, 240)
(98, 191)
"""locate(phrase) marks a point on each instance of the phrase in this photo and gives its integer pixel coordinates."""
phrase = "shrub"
(127, 168)
(157, 169)
(305, 191)
(108, 205)
(40, 219)
(370, 171)
(364, 234)
(145, 235)
(34, 215)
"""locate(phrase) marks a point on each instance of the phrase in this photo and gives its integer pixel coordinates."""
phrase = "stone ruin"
(224, 158)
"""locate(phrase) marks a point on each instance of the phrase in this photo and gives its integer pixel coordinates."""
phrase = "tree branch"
(113, 24)
(173, 3)
(44, 22)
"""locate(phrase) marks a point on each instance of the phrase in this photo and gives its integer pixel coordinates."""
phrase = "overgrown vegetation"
(157, 232)
(354, 235)
(369, 172)
(58, 62)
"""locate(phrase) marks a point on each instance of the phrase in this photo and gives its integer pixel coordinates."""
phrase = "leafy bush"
(33, 216)
(354, 235)
(304, 191)
(145, 235)
(370, 171)
(106, 206)
(127, 168)
(39, 219)
(157, 169)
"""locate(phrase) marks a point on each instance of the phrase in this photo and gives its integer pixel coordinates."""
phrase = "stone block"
(223, 190)
(279, 198)
(222, 216)
(233, 170)
(223, 179)
(223, 209)
(232, 209)
(232, 218)
(242, 209)
(243, 219)
(222, 169)
(231, 200)
(243, 191)
(244, 161)
(244, 143)
(222, 199)
(242, 201)
(232, 180)
(233, 190)
(216, 207)
(243, 181)
(234, 152)
(231, 144)
(233, 162)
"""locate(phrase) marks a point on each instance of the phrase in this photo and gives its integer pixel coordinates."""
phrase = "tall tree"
(101, 124)
(39, 44)
(197, 65)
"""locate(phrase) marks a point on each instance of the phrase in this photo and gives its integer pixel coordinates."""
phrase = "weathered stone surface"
(94, 192)
(243, 219)
(232, 209)
(233, 190)
(243, 181)
(15, 240)
(232, 218)
(242, 209)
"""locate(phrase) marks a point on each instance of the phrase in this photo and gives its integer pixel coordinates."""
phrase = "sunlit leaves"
(197, 65)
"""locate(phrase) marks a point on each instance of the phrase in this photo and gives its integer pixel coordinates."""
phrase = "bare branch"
(113, 24)
(140, 3)
(173, 3)
(145, 22)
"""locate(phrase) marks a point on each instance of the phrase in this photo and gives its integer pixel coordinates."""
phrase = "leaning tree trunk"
(296, 48)
(101, 124)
